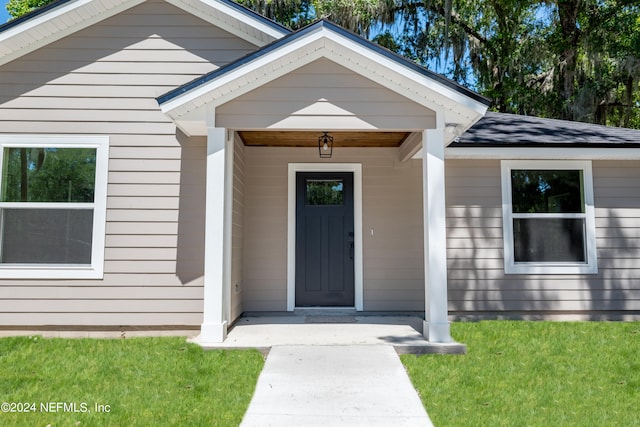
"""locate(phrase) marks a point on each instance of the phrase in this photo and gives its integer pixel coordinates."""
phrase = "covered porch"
(390, 122)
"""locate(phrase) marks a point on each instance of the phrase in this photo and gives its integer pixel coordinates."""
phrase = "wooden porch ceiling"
(310, 139)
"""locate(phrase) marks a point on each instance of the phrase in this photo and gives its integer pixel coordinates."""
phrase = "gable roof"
(501, 129)
(323, 23)
(324, 39)
(64, 17)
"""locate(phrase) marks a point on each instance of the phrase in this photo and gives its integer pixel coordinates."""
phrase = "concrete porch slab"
(404, 333)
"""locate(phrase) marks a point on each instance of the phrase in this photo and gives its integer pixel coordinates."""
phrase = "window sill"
(551, 268)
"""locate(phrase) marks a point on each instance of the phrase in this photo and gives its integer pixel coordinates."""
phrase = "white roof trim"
(222, 15)
(323, 42)
(72, 16)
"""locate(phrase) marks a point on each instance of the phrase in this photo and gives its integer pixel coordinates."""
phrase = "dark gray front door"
(324, 239)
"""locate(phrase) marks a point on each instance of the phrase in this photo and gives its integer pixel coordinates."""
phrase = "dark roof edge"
(41, 10)
(36, 12)
(545, 145)
(310, 28)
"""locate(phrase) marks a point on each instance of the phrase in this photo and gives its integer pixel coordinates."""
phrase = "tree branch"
(454, 17)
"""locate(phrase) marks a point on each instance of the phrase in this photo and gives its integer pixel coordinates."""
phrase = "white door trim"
(356, 168)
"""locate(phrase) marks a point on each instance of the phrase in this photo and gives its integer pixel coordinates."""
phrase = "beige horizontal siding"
(93, 305)
(142, 203)
(140, 240)
(104, 80)
(195, 68)
(477, 283)
(136, 317)
(118, 177)
(143, 215)
(101, 292)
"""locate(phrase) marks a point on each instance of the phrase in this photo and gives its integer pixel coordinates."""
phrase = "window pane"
(547, 191)
(46, 236)
(549, 240)
(324, 192)
(48, 174)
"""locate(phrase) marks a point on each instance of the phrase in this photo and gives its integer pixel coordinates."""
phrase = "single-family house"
(176, 163)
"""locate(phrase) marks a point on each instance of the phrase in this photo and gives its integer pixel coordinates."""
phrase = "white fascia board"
(232, 20)
(238, 73)
(33, 27)
(543, 153)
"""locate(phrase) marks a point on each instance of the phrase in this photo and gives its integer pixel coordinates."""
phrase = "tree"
(355, 15)
(293, 14)
(609, 73)
(17, 8)
(34, 174)
(569, 59)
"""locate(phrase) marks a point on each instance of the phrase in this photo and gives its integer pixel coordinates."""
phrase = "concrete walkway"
(337, 385)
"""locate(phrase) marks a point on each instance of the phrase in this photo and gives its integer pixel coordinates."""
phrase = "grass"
(534, 374)
(138, 382)
(515, 374)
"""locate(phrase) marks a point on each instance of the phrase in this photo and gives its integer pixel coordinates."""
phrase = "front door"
(324, 239)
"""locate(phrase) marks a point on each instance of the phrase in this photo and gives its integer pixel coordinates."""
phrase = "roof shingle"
(500, 129)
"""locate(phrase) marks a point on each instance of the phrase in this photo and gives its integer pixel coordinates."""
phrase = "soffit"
(310, 139)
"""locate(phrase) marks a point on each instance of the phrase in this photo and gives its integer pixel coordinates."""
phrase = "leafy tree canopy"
(17, 8)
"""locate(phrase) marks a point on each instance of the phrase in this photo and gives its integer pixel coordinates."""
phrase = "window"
(324, 192)
(548, 218)
(52, 206)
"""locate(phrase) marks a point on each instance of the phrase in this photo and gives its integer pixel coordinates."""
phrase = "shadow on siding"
(479, 289)
(191, 217)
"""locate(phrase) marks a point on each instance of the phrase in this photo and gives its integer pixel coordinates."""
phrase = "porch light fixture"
(325, 145)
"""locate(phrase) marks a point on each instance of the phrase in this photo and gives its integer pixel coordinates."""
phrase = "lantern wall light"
(325, 145)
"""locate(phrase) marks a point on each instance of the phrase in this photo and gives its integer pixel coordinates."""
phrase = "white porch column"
(217, 237)
(436, 326)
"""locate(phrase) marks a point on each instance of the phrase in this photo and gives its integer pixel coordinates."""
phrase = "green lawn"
(534, 374)
(515, 374)
(137, 382)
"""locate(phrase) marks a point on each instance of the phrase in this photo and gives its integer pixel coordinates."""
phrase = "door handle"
(351, 250)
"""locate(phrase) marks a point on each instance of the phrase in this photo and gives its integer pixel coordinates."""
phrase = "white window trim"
(512, 267)
(51, 271)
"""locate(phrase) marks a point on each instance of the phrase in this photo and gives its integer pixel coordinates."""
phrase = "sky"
(4, 16)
